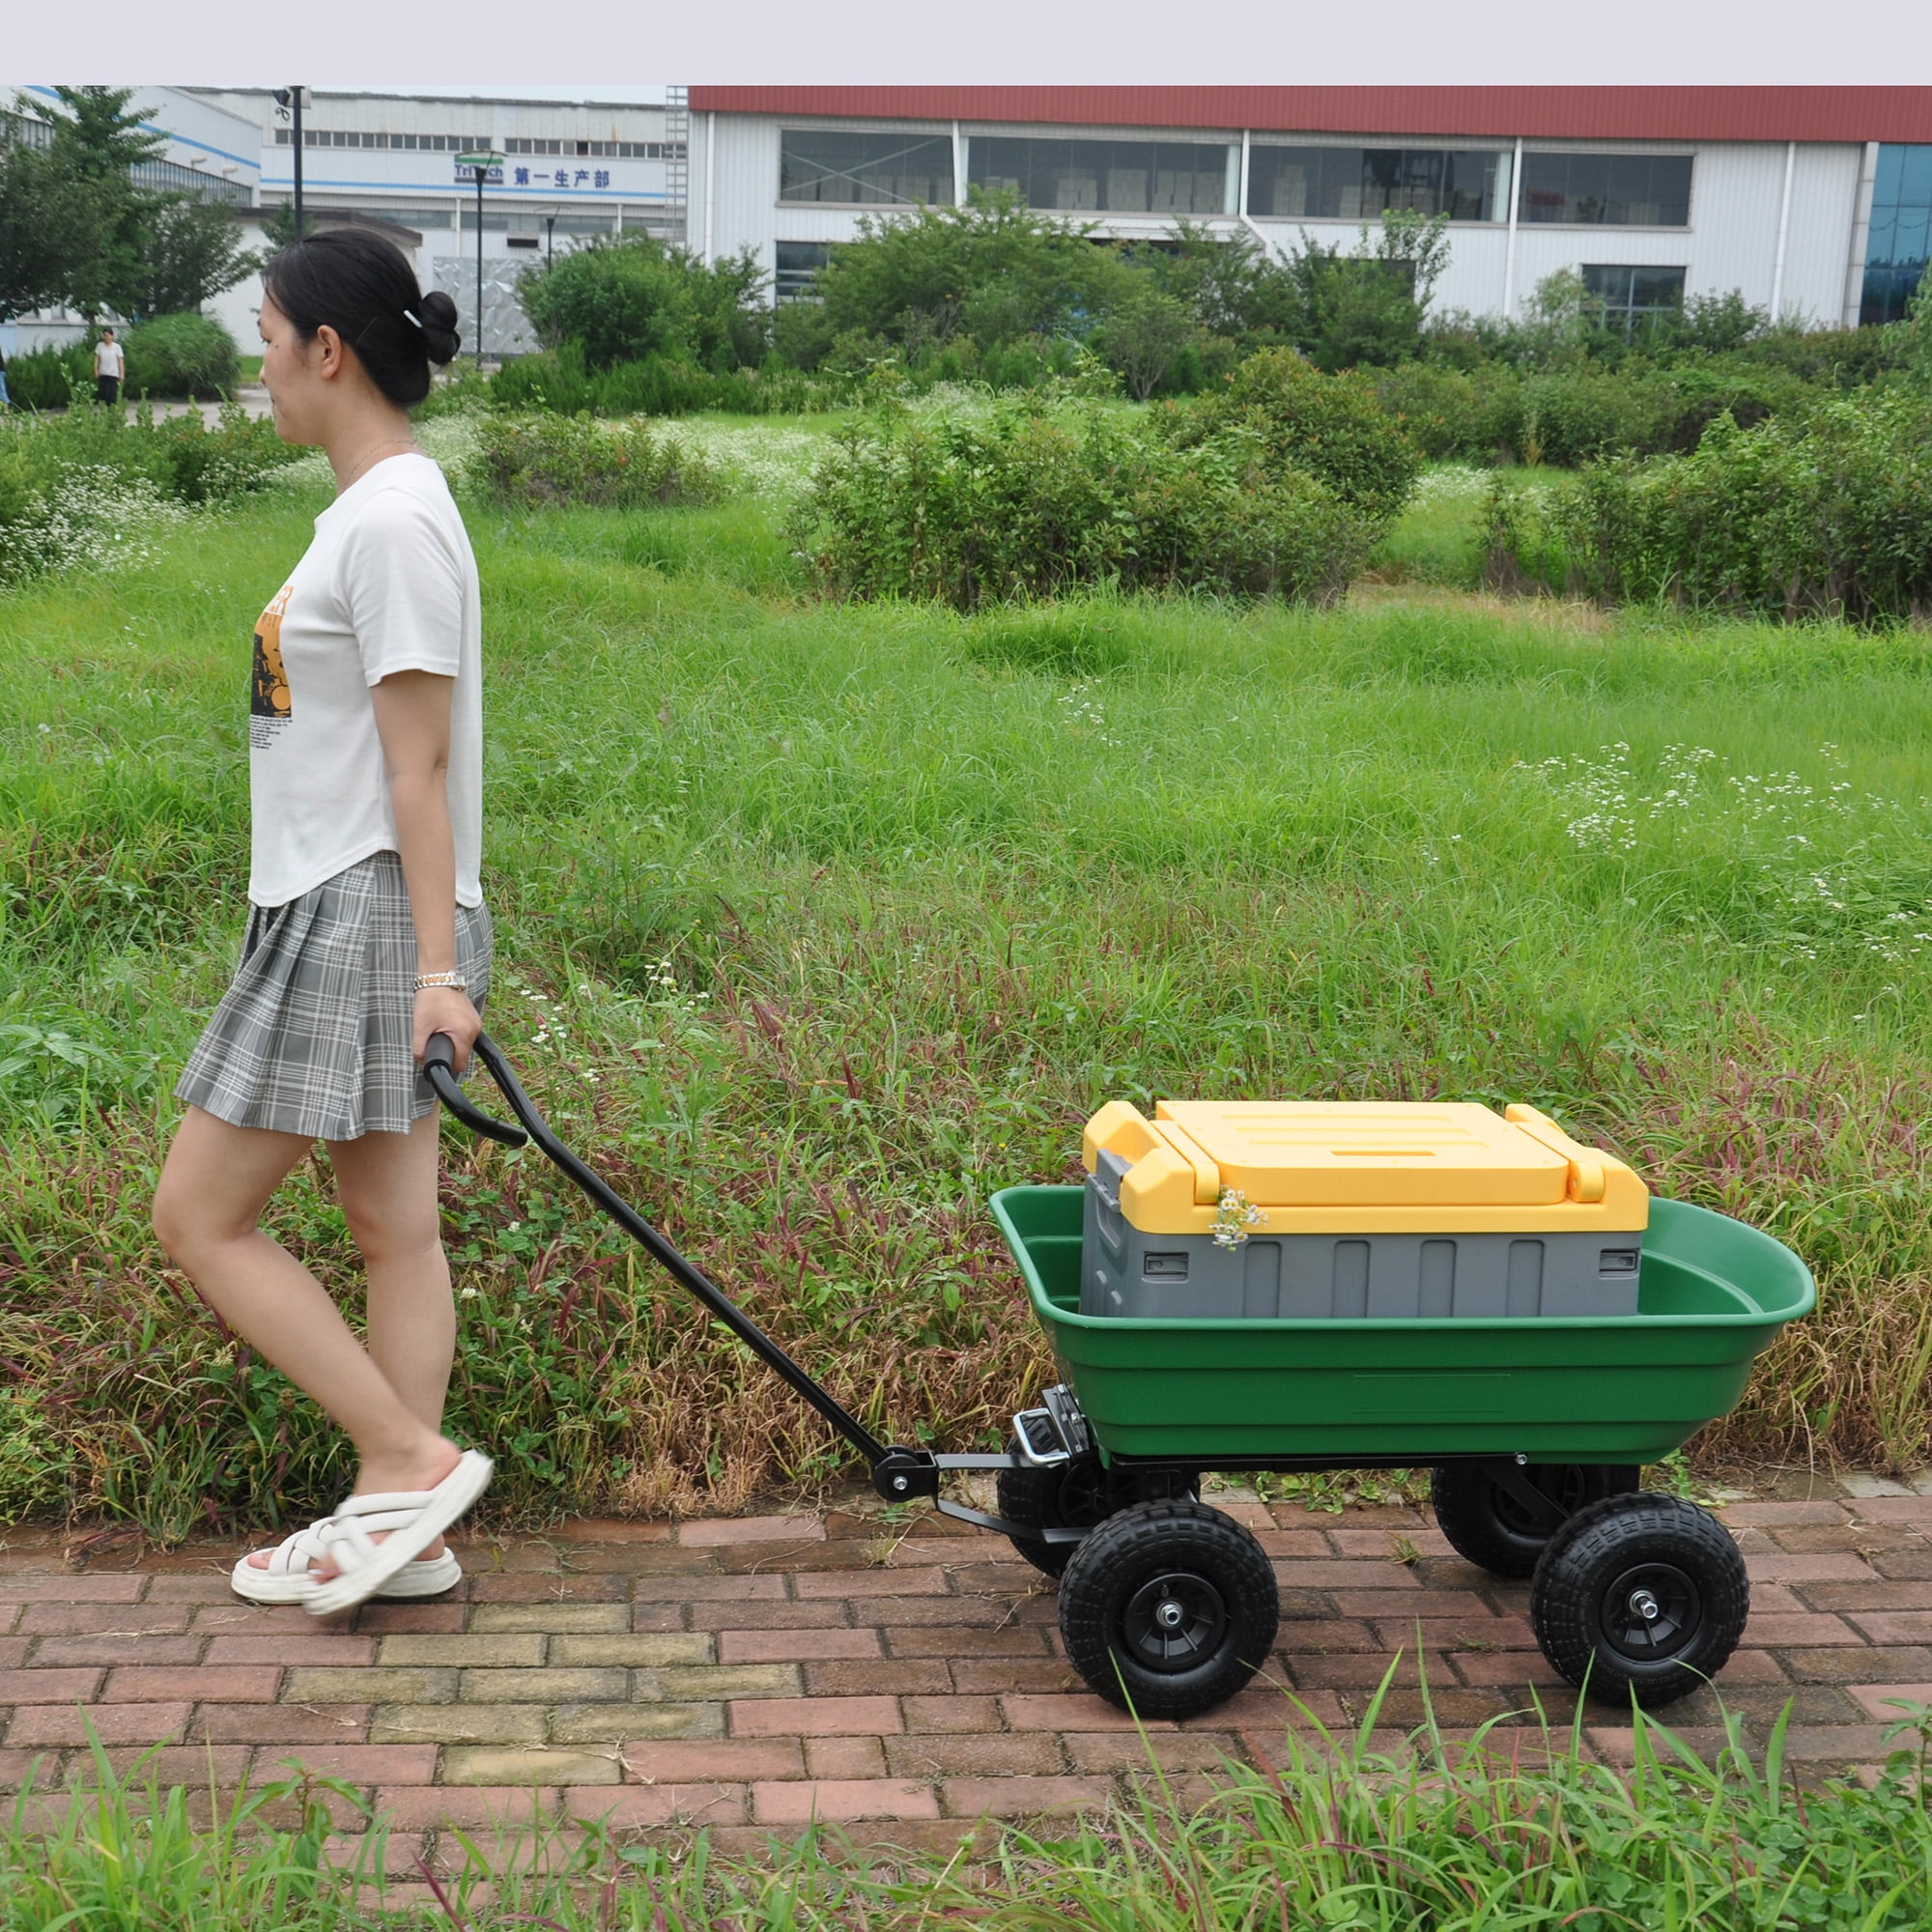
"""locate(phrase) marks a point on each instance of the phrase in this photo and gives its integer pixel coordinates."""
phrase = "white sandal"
(409, 1521)
(286, 1578)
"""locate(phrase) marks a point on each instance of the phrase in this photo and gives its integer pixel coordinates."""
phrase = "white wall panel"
(1824, 198)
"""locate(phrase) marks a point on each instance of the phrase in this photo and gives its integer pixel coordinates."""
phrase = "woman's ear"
(332, 358)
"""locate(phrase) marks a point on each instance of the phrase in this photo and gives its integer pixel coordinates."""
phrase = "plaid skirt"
(313, 1035)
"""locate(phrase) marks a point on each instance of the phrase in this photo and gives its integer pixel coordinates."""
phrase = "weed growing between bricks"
(1491, 1833)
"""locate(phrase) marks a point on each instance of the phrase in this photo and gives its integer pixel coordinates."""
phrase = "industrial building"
(1813, 201)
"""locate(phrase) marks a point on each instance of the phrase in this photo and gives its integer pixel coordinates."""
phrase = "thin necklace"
(402, 442)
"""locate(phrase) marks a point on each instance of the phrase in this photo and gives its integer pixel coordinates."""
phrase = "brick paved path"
(753, 1673)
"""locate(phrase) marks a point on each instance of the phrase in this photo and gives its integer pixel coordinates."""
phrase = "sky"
(578, 47)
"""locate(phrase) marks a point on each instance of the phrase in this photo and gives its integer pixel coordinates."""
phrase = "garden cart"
(1534, 1431)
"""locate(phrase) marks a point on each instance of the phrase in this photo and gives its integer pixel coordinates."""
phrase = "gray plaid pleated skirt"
(313, 1035)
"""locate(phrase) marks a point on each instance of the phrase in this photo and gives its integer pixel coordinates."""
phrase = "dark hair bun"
(441, 336)
(360, 284)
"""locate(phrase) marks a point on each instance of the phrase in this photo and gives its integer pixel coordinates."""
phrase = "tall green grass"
(1517, 1830)
(818, 924)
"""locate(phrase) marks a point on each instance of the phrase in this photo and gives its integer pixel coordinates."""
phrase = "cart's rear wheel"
(1169, 1607)
(1641, 1596)
(1495, 1531)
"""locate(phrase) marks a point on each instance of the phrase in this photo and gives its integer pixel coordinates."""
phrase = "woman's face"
(292, 373)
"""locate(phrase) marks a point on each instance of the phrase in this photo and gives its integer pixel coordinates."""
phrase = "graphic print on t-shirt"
(269, 706)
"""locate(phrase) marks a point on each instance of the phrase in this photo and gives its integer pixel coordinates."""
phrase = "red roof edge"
(1576, 113)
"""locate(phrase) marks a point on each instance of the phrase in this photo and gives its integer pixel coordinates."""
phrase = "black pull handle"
(440, 1071)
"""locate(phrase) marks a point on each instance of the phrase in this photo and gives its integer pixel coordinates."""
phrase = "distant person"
(367, 932)
(110, 364)
(6, 401)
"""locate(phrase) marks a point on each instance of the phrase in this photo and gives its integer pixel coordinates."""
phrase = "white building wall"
(1817, 252)
(1731, 243)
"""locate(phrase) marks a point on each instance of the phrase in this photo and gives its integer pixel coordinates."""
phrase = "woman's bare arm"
(413, 711)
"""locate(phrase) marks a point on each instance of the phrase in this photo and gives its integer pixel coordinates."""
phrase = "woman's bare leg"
(214, 1184)
(387, 1188)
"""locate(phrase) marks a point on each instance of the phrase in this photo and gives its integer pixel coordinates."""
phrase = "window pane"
(1630, 294)
(798, 267)
(1352, 183)
(1104, 176)
(1618, 190)
(1901, 231)
(865, 168)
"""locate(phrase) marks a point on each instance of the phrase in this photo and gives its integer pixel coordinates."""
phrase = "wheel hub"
(1175, 1621)
(1651, 1612)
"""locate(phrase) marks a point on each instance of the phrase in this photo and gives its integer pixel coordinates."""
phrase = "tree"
(50, 218)
(992, 271)
(99, 144)
(193, 251)
(1366, 308)
(622, 300)
(1144, 335)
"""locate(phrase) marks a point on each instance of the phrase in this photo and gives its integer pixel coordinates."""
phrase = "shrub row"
(561, 380)
(542, 459)
(1578, 414)
(1030, 502)
(1830, 515)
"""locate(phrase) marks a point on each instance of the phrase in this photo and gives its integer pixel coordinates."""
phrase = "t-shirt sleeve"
(404, 587)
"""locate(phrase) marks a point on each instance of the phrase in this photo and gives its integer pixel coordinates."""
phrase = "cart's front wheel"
(1639, 1596)
(1496, 1531)
(1169, 1607)
(1064, 1496)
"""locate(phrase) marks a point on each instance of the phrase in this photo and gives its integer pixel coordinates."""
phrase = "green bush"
(560, 380)
(186, 354)
(536, 460)
(1828, 515)
(1023, 504)
(1330, 426)
(46, 378)
(614, 301)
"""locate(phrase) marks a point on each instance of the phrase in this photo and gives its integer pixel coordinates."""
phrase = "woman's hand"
(444, 1009)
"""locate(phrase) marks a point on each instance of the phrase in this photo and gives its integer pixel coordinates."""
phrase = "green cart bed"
(1222, 1394)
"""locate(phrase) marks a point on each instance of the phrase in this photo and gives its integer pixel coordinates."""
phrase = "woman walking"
(366, 933)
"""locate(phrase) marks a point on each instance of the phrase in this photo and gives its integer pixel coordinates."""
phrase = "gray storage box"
(1398, 1276)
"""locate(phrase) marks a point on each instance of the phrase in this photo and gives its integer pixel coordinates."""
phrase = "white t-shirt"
(388, 584)
(108, 359)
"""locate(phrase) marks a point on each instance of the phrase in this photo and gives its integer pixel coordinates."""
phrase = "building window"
(1628, 297)
(866, 168)
(171, 177)
(1900, 242)
(1107, 176)
(1615, 190)
(797, 265)
(1354, 183)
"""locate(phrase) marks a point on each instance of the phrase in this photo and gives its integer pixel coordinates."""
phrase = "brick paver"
(754, 1674)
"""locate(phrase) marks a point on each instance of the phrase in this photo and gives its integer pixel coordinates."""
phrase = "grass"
(820, 924)
(1436, 1835)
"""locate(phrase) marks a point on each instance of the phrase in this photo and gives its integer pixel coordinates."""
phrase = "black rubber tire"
(1075, 1496)
(1585, 1609)
(1487, 1524)
(1145, 1562)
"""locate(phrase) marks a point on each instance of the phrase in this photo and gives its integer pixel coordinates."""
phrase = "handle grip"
(440, 1071)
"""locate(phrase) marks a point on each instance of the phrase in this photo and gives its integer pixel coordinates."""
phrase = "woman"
(366, 932)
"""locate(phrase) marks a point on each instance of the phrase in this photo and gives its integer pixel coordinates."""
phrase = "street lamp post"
(482, 164)
(292, 100)
(550, 237)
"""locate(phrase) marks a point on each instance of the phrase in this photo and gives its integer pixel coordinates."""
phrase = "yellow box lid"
(1397, 1162)
(1347, 1153)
